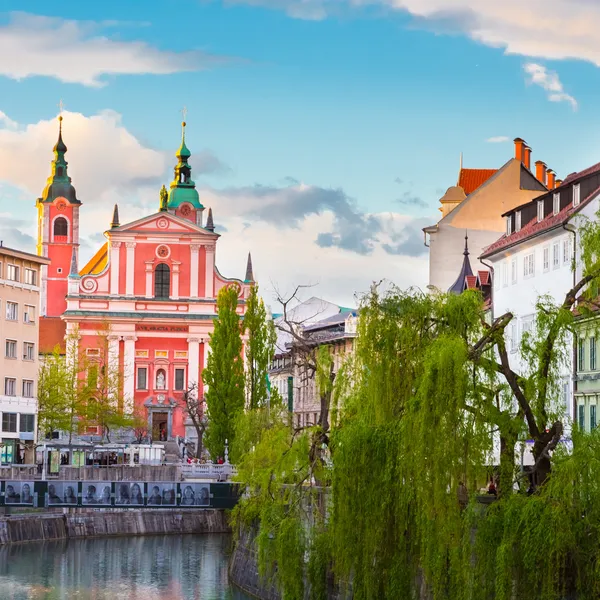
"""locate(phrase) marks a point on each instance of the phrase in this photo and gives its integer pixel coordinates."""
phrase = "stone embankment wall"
(243, 572)
(112, 473)
(44, 527)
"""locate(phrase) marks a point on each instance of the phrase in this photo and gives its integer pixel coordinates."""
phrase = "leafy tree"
(259, 348)
(62, 393)
(106, 405)
(224, 373)
(194, 408)
(431, 397)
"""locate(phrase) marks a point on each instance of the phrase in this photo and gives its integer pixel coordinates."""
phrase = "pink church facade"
(150, 289)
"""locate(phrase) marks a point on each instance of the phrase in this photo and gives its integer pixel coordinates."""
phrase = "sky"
(323, 132)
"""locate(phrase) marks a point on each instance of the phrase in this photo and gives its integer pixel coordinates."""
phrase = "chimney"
(540, 171)
(519, 149)
(527, 158)
(558, 183)
(551, 179)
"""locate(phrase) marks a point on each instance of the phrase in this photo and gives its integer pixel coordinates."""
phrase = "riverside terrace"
(117, 494)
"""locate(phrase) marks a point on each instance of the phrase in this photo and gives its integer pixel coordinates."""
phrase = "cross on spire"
(184, 112)
(61, 107)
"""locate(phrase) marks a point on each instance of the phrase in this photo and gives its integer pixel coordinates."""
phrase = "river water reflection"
(136, 568)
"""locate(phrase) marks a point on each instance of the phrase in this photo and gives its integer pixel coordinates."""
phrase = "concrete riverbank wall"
(36, 527)
(243, 572)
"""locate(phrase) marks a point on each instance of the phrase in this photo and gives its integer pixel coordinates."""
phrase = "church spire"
(209, 221)
(74, 271)
(183, 188)
(59, 182)
(459, 285)
(249, 273)
(115, 220)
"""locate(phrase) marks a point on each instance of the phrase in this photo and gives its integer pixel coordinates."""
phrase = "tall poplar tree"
(259, 349)
(224, 373)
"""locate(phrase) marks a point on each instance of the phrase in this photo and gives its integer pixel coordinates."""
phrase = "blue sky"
(324, 131)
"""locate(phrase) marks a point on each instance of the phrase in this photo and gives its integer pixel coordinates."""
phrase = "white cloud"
(549, 81)
(75, 52)
(297, 233)
(551, 29)
(6, 121)
(498, 139)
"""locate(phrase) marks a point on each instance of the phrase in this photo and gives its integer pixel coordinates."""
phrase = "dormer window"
(518, 221)
(508, 225)
(555, 204)
(540, 211)
(576, 195)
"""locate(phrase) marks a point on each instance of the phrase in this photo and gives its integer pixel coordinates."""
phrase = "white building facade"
(538, 256)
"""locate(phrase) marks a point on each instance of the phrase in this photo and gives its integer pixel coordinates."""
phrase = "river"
(135, 568)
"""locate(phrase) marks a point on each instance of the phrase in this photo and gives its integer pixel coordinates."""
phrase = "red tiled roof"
(52, 334)
(534, 227)
(470, 282)
(573, 176)
(484, 277)
(470, 179)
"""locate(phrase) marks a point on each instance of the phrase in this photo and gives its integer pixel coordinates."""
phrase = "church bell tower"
(58, 232)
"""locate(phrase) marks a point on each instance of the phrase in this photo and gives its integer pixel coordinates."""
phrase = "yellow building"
(476, 205)
(19, 333)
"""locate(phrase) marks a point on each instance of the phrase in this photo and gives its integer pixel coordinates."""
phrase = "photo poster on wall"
(194, 494)
(54, 461)
(18, 493)
(162, 493)
(62, 493)
(96, 493)
(129, 494)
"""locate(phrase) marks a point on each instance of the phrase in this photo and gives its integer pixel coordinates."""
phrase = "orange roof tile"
(97, 263)
(52, 334)
(470, 179)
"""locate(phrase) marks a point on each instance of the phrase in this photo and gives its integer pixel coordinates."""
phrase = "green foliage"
(224, 374)
(61, 395)
(259, 348)
(419, 416)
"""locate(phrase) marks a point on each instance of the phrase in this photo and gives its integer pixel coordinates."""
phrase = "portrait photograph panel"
(63, 493)
(195, 494)
(129, 494)
(161, 493)
(18, 492)
(97, 492)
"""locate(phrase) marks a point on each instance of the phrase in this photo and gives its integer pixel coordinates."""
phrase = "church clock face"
(162, 251)
(186, 211)
(61, 205)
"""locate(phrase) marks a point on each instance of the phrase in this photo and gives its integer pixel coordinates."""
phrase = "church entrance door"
(160, 422)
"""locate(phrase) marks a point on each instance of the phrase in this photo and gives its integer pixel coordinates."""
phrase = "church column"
(175, 290)
(194, 266)
(115, 249)
(129, 268)
(129, 372)
(210, 272)
(149, 279)
(113, 356)
(193, 360)
(206, 351)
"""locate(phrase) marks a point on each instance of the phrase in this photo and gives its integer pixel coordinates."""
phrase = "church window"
(161, 380)
(61, 227)
(162, 281)
(59, 171)
(179, 379)
(142, 376)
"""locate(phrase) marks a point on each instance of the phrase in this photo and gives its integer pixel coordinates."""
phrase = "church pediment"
(163, 222)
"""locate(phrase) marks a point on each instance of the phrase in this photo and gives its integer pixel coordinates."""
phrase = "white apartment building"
(535, 258)
(19, 338)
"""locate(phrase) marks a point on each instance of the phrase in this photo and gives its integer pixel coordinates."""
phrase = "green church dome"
(183, 188)
(179, 195)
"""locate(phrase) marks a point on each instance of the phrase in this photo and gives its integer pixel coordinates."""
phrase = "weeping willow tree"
(430, 403)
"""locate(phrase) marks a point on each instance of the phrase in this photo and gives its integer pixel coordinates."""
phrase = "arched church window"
(61, 227)
(162, 281)
(59, 171)
(161, 379)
